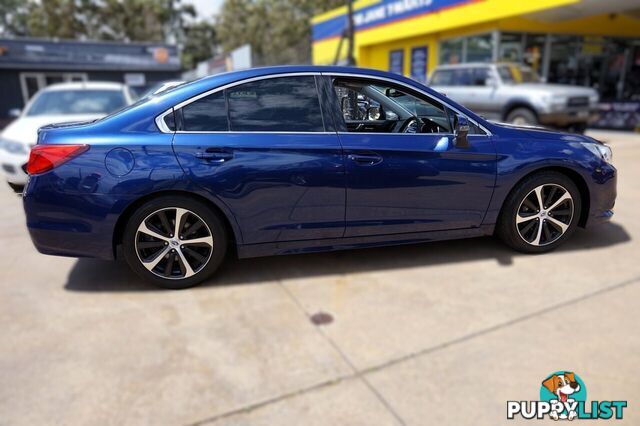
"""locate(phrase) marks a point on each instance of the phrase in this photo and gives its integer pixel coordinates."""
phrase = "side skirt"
(332, 244)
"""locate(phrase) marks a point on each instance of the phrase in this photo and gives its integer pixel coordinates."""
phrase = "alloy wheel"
(544, 214)
(174, 243)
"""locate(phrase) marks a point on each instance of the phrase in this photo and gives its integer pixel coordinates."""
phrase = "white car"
(65, 102)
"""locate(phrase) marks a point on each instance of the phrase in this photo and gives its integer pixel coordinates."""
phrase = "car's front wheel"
(540, 213)
(174, 242)
(522, 117)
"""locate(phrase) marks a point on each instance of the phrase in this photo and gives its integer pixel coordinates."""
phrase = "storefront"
(592, 43)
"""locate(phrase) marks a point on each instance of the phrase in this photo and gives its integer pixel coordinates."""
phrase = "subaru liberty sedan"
(302, 159)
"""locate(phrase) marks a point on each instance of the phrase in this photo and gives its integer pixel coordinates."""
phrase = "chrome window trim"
(161, 123)
(289, 132)
(164, 129)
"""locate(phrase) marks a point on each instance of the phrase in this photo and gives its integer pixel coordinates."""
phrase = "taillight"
(46, 157)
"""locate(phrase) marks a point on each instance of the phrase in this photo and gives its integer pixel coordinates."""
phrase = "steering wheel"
(411, 125)
(420, 125)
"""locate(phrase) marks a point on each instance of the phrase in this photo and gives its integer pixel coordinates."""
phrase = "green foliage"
(278, 31)
(199, 43)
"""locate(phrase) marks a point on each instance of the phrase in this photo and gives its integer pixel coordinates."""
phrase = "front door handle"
(369, 159)
(215, 155)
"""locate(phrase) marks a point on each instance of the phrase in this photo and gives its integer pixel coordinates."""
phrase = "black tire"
(513, 234)
(208, 262)
(522, 116)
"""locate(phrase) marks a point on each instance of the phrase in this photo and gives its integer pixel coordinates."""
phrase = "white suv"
(57, 103)
(515, 94)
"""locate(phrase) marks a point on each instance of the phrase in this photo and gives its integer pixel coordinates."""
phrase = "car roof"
(86, 85)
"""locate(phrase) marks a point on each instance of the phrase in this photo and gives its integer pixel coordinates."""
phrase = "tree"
(199, 43)
(279, 31)
(13, 17)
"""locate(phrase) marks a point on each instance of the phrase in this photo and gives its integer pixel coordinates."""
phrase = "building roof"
(73, 55)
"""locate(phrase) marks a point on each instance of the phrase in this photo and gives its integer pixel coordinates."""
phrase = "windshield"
(512, 74)
(66, 102)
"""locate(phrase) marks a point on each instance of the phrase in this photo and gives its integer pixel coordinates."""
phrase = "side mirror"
(461, 131)
(14, 112)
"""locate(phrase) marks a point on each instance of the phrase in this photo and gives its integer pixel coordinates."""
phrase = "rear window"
(67, 102)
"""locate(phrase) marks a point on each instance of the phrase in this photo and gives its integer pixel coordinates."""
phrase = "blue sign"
(396, 61)
(419, 62)
(380, 13)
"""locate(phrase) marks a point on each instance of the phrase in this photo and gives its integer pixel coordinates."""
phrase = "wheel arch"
(576, 178)
(118, 231)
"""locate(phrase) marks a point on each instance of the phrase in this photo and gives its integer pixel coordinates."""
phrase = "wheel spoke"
(187, 270)
(552, 194)
(146, 230)
(521, 219)
(165, 222)
(180, 214)
(195, 254)
(150, 244)
(202, 240)
(152, 263)
(565, 196)
(546, 231)
(528, 227)
(168, 268)
(538, 237)
(193, 228)
(562, 226)
(538, 192)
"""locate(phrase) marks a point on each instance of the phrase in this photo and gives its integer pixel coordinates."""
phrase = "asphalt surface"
(438, 333)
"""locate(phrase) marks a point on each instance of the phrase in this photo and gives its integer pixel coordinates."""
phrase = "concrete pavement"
(439, 333)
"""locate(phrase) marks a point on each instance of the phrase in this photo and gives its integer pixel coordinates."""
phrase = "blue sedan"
(300, 159)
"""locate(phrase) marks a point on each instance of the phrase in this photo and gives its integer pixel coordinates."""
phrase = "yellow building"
(587, 42)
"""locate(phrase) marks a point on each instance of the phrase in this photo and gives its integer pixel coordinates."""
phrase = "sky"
(206, 8)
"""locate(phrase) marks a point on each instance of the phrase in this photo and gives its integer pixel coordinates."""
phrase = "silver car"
(515, 94)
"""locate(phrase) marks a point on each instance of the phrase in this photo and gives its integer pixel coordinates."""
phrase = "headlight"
(13, 147)
(600, 150)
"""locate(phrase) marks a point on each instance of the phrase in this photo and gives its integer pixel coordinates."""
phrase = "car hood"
(543, 133)
(564, 90)
(25, 129)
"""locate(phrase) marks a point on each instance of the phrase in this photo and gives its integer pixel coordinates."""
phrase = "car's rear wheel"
(522, 117)
(540, 213)
(174, 242)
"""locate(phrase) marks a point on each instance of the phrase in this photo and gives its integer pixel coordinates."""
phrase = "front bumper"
(12, 167)
(603, 194)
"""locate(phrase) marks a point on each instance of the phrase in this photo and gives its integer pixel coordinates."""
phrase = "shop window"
(451, 51)
(479, 49)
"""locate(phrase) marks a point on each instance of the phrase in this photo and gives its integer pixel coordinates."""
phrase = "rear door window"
(208, 114)
(281, 104)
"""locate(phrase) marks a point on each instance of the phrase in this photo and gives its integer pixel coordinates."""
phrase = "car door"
(402, 182)
(263, 149)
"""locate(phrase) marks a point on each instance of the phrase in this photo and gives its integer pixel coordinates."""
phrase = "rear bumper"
(75, 225)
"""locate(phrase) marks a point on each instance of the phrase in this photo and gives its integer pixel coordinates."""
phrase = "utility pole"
(348, 34)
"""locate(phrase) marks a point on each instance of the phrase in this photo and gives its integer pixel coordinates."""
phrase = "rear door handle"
(369, 159)
(215, 155)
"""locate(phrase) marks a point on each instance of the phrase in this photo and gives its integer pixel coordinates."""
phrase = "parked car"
(57, 103)
(270, 161)
(515, 94)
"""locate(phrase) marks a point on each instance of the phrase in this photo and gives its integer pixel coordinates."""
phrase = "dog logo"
(565, 389)
(563, 396)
